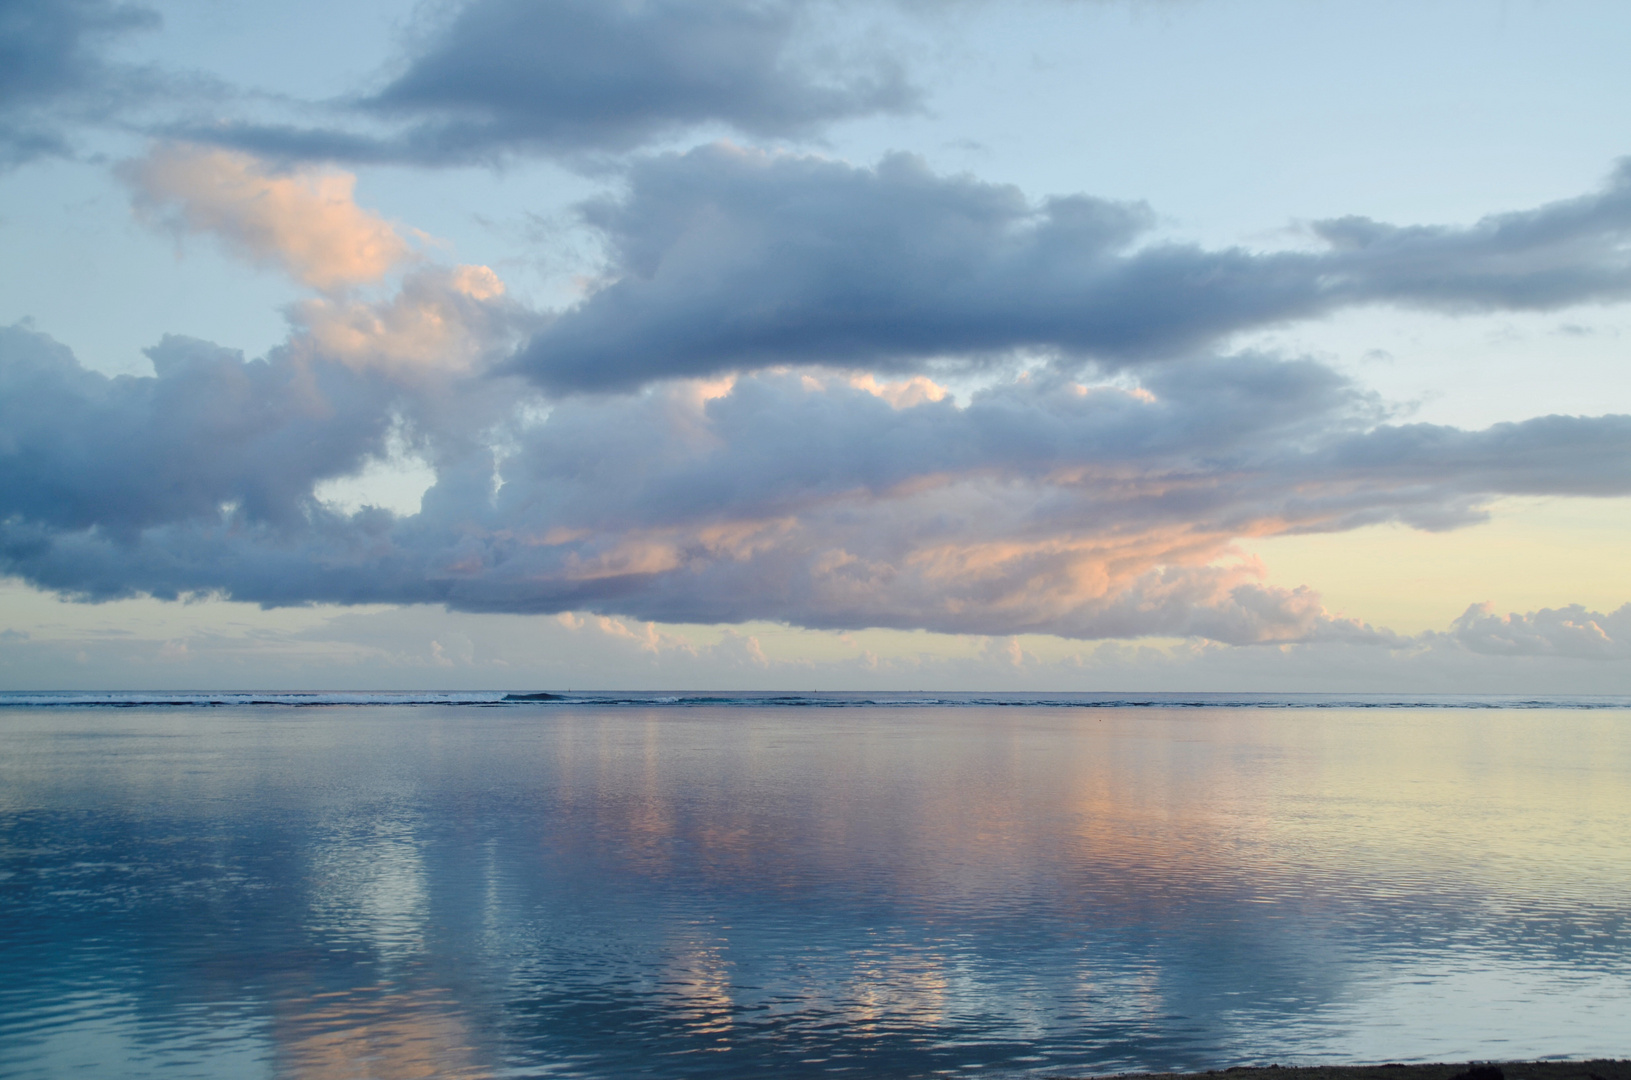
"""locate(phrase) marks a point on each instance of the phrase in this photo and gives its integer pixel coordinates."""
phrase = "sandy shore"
(1509, 1070)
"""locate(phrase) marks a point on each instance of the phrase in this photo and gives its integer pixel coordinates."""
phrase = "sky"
(793, 344)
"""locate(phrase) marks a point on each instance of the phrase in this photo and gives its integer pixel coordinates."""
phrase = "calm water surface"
(651, 891)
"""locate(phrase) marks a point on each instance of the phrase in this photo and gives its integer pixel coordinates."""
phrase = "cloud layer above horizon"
(789, 484)
(795, 388)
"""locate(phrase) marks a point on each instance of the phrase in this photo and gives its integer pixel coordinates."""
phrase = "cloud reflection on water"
(401, 1036)
(697, 892)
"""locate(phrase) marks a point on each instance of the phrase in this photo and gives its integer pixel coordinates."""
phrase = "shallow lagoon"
(653, 889)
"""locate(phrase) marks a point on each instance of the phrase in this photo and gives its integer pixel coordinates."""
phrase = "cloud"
(1566, 632)
(1040, 505)
(724, 259)
(393, 648)
(82, 451)
(443, 321)
(52, 74)
(571, 76)
(822, 480)
(1548, 455)
(304, 222)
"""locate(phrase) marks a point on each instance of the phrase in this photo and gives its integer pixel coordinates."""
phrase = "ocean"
(889, 885)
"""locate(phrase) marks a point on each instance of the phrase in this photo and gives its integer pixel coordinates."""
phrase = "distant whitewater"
(538, 699)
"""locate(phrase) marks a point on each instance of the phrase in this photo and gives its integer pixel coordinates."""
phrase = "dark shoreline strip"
(1598, 1069)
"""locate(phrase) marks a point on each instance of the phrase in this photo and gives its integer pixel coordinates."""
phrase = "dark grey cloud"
(53, 74)
(80, 450)
(1548, 455)
(1039, 505)
(620, 463)
(570, 77)
(724, 259)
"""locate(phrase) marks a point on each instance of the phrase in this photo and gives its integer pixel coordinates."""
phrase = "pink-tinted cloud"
(1035, 506)
(443, 321)
(304, 222)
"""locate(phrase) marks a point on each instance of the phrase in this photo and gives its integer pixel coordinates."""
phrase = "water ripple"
(689, 890)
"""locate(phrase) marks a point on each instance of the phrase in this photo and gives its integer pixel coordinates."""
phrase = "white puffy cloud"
(1569, 632)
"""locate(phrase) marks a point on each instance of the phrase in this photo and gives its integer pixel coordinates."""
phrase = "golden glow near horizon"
(1533, 553)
